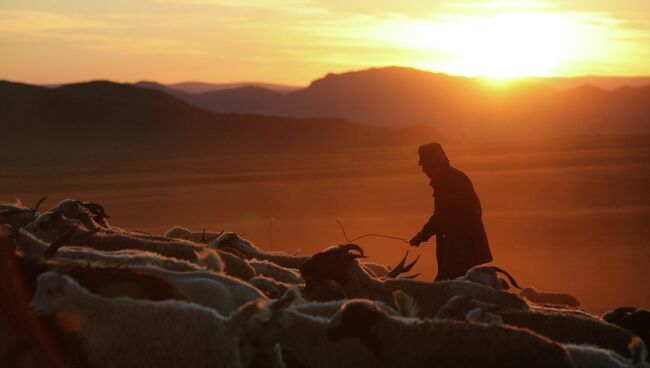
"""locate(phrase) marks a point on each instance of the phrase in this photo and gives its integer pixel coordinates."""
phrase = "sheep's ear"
(405, 304)
(67, 284)
(289, 297)
(253, 310)
(211, 259)
(39, 203)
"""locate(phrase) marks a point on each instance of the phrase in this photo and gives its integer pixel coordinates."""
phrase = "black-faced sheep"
(340, 265)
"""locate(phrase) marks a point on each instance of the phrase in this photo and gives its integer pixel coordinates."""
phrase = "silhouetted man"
(461, 242)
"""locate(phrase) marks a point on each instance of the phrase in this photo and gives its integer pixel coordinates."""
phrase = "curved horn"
(408, 267)
(398, 269)
(351, 246)
(512, 279)
(209, 240)
(39, 203)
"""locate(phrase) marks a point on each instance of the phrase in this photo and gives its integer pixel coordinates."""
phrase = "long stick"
(345, 235)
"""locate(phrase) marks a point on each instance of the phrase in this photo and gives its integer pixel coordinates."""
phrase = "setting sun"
(501, 46)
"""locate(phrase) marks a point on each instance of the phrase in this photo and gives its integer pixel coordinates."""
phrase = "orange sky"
(296, 41)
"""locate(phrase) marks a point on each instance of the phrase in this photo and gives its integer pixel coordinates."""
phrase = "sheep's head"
(331, 264)
(269, 331)
(262, 333)
(459, 306)
(179, 232)
(481, 315)
(52, 291)
(51, 225)
(322, 290)
(74, 209)
(18, 215)
(355, 319)
(617, 315)
(71, 208)
(98, 211)
(233, 243)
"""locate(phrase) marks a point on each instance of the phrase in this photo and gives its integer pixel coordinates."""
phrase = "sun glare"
(499, 47)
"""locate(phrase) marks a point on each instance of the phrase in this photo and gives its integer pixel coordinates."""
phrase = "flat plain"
(567, 216)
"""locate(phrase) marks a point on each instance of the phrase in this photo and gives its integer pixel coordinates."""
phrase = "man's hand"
(415, 241)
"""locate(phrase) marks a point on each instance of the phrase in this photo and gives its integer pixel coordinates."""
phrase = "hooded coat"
(461, 241)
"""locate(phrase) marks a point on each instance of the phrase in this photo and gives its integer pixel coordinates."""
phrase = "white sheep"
(562, 327)
(278, 273)
(532, 295)
(52, 225)
(34, 247)
(180, 232)
(306, 337)
(582, 356)
(487, 275)
(588, 356)
(91, 215)
(217, 291)
(271, 287)
(231, 241)
(405, 306)
(123, 332)
(399, 342)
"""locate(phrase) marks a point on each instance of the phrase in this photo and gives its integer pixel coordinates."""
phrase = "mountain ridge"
(102, 120)
(467, 108)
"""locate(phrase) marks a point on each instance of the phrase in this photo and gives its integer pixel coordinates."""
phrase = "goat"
(487, 275)
(549, 298)
(34, 247)
(393, 341)
(217, 291)
(230, 241)
(306, 337)
(129, 333)
(338, 264)
(180, 232)
(561, 327)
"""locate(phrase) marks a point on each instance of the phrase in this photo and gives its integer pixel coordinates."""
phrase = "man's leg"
(451, 271)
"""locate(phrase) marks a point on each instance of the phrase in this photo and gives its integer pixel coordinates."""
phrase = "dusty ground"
(571, 216)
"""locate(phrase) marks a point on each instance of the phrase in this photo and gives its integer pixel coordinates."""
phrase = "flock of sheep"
(77, 291)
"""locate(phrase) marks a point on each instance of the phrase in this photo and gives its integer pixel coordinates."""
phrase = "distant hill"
(462, 107)
(101, 120)
(608, 83)
(201, 87)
